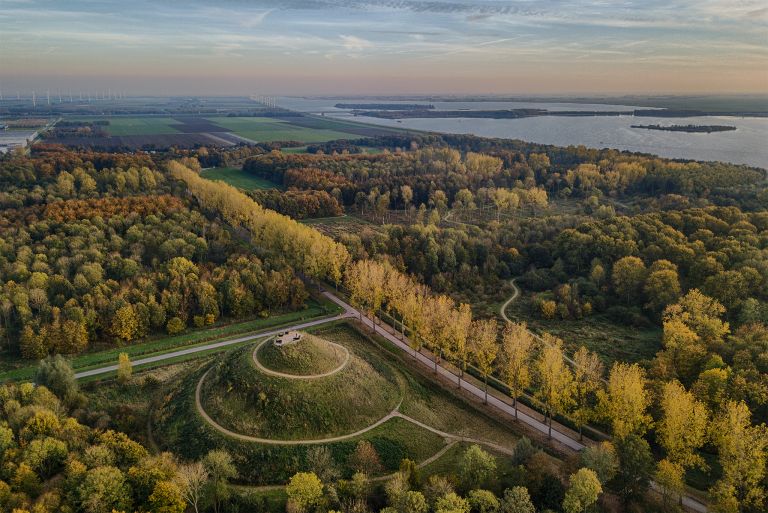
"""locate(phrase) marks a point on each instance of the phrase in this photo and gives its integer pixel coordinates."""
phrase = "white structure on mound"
(287, 337)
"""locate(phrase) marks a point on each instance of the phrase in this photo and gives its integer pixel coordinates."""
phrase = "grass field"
(613, 342)
(237, 178)
(270, 129)
(141, 126)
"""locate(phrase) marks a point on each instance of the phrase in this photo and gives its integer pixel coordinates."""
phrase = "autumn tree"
(683, 426)
(625, 401)
(554, 379)
(304, 490)
(483, 347)
(125, 324)
(515, 361)
(587, 379)
(742, 455)
(124, 368)
(461, 322)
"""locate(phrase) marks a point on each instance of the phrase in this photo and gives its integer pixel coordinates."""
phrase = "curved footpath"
(503, 312)
(286, 375)
(272, 441)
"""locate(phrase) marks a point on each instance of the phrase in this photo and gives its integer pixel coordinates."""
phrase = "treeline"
(298, 204)
(398, 181)
(307, 250)
(617, 170)
(696, 396)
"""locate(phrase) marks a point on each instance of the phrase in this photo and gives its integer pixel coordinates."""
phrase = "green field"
(140, 126)
(270, 129)
(237, 178)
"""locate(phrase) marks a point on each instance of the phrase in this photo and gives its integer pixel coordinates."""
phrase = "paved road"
(165, 356)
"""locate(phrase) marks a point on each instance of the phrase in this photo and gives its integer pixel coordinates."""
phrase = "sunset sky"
(398, 46)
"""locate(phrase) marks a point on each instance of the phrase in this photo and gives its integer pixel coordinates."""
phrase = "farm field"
(120, 126)
(270, 129)
(237, 178)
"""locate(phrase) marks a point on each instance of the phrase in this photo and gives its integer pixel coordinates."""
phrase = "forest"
(109, 249)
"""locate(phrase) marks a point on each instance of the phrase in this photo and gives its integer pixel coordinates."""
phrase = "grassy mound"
(309, 356)
(242, 399)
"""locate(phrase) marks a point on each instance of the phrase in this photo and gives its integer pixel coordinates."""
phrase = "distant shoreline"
(527, 113)
(688, 128)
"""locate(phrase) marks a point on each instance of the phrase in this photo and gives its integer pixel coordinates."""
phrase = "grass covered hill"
(308, 357)
(241, 398)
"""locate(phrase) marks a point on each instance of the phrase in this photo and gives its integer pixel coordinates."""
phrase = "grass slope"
(240, 398)
(237, 178)
(311, 355)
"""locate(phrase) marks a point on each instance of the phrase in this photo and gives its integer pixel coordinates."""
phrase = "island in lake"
(384, 106)
(688, 128)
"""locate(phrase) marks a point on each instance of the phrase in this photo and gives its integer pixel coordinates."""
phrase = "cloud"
(355, 44)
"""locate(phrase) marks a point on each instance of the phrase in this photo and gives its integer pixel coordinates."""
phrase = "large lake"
(748, 144)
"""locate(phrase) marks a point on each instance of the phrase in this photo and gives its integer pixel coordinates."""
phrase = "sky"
(338, 47)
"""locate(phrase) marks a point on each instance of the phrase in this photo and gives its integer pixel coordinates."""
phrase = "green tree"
(583, 492)
(218, 464)
(661, 288)
(476, 467)
(602, 459)
(628, 276)
(451, 503)
(516, 500)
(483, 501)
(635, 467)
(55, 373)
(103, 490)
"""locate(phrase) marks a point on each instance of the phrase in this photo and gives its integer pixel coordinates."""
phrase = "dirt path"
(503, 312)
(270, 372)
(271, 441)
